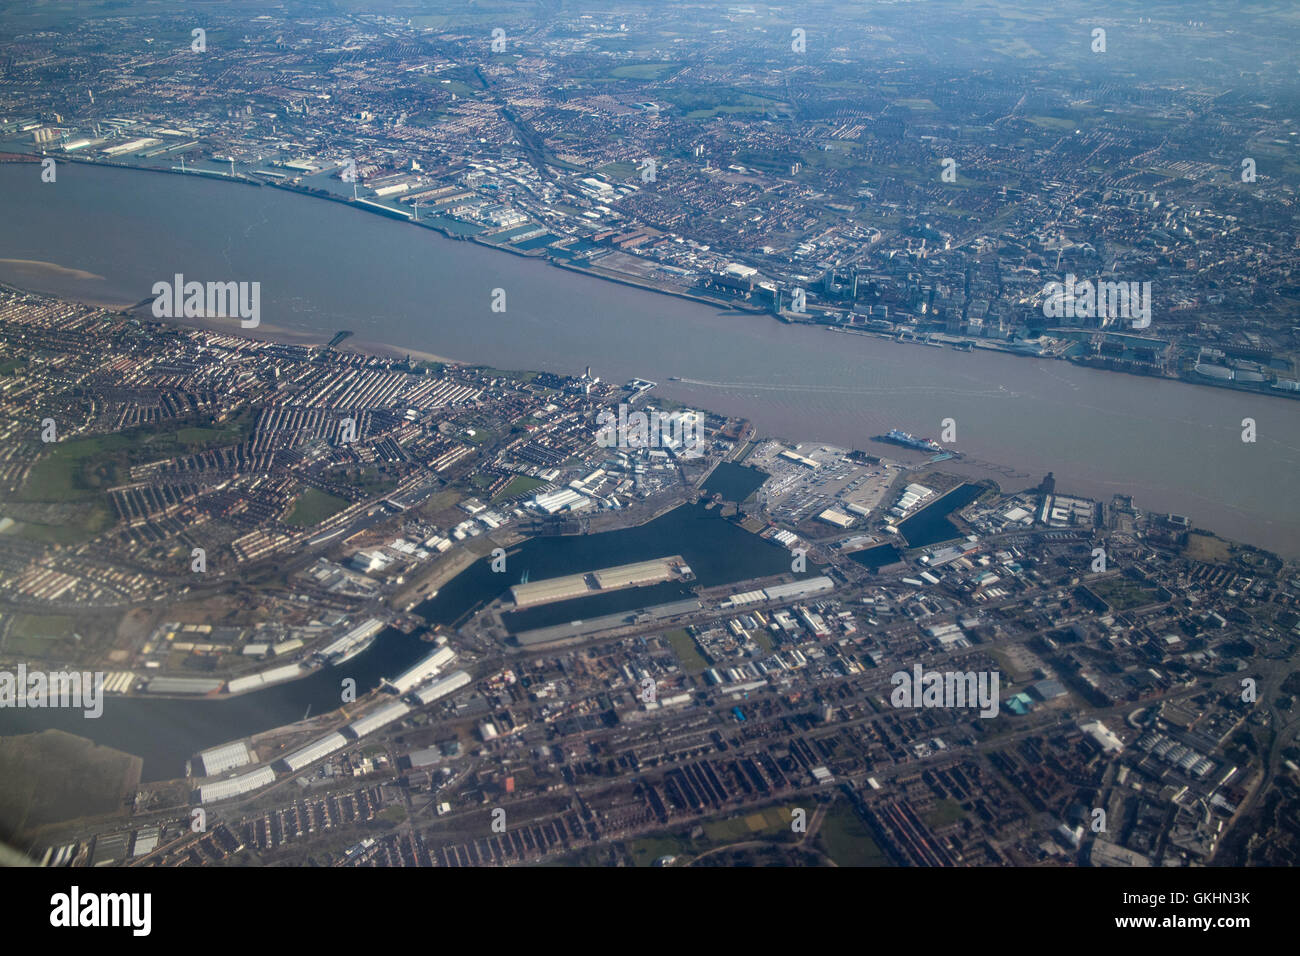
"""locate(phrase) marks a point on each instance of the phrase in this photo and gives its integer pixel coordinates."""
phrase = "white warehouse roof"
(223, 758)
(225, 789)
(314, 751)
(380, 718)
(450, 683)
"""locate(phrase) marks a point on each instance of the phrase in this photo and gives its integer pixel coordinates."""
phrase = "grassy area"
(648, 849)
(440, 501)
(82, 523)
(1208, 548)
(37, 789)
(846, 840)
(619, 172)
(688, 655)
(768, 822)
(943, 813)
(642, 71)
(80, 469)
(32, 636)
(518, 485)
(313, 506)
(1123, 594)
(74, 470)
(43, 626)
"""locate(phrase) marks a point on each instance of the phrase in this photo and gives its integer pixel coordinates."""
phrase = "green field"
(36, 789)
(83, 522)
(688, 654)
(944, 812)
(1123, 594)
(642, 71)
(769, 822)
(846, 840)
(44, 626)
(518, 485)
(33, 636)
(81, 468)
(312, 507)
(75, 470)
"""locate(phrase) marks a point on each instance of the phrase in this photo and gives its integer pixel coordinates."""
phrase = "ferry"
(351, 652)
(897, 437)
(352, 643)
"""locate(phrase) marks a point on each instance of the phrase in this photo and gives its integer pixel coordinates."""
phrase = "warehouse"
(833, 516)
(223, 758)
(561, 500)
(552, 589)
(429, 667)
(183, 685)
(382, 717)
(314, 751)
(799, 589)
(441, 688)
(253, 681)
(225, 789)
(636, 575)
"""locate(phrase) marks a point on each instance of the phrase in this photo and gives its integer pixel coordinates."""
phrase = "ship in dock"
(897, 437)
(352, 643)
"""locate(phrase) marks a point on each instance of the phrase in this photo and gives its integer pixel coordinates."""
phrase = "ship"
(351, 652)
(352, 643)
(898, 437)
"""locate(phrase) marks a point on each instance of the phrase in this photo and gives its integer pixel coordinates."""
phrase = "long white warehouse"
(245, 783)
(799, 589)
(450, 683)
(314, 751)
(223, 758)
(421, 672)
(274, 676)
(383, 716)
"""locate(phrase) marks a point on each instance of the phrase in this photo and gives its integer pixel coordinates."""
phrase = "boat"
(352, 643)
(351, 652)
(897, 437)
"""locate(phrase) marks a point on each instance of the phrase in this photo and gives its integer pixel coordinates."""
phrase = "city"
(293, 573)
